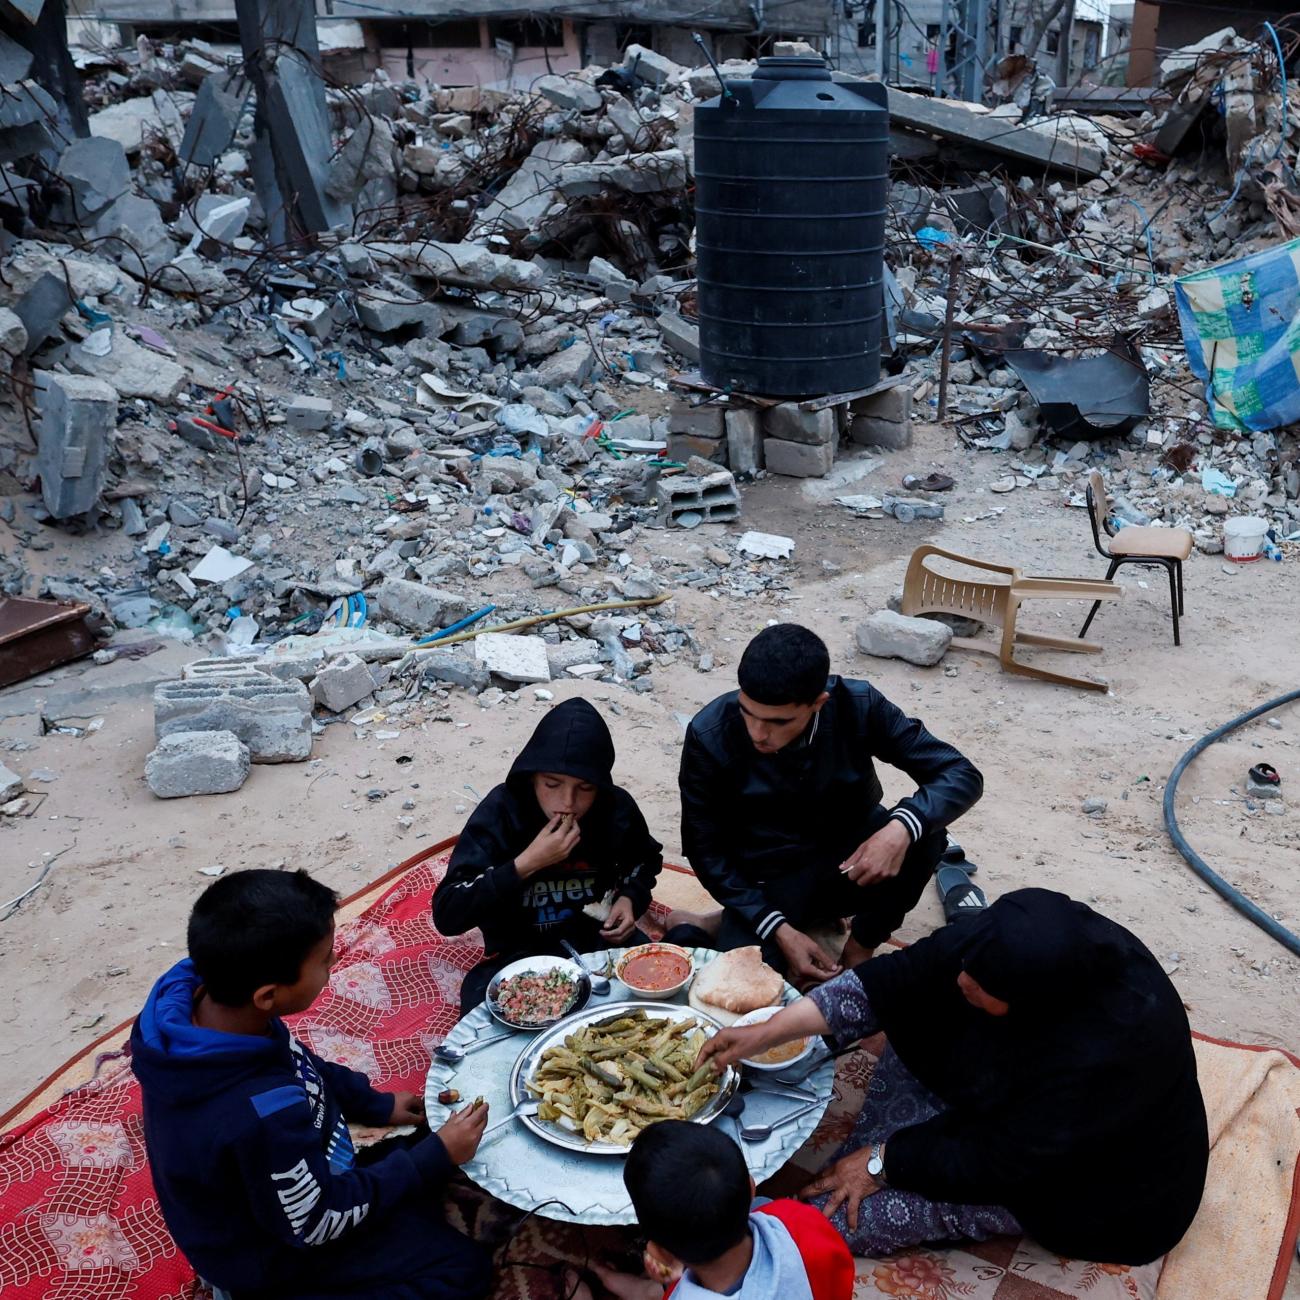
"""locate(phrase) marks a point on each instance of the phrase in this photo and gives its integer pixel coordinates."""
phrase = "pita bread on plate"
(736, 982)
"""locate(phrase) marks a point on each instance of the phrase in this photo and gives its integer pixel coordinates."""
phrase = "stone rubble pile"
(470, 402)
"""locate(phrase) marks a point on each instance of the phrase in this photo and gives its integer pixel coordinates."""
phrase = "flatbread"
(738, 982)
(601, 908)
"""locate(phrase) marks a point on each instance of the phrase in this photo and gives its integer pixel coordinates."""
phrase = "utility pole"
(882, 33)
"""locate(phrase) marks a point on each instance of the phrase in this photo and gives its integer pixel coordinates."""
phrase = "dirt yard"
(81, 952)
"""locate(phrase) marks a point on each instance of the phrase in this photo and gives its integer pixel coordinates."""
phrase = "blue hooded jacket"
(248, 1142)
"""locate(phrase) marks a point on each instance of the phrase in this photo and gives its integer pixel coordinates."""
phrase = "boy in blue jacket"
(246, 1129)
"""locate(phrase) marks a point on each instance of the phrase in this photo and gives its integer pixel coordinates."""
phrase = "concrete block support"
(744, 442)
(788, 421)
(797, 459)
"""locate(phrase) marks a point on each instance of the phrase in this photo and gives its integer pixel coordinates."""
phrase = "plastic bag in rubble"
(1241, 326)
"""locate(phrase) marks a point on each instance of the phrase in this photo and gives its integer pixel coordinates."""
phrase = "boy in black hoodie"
(556, 838)
(246, 1129)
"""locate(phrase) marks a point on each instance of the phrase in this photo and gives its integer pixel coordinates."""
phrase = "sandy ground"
(82, 951)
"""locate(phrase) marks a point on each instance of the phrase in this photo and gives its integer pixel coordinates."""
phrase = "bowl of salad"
(535, 992)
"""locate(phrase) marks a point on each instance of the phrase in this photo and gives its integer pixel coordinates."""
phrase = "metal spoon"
(528, 1107)
(761, 1132)
(599, 984)
(771, 1090)
(455, 1055)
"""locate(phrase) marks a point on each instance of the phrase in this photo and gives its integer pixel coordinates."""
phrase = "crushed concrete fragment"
(888, 635)
(197, 762)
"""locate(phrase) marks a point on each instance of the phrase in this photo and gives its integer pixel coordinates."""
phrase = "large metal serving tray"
(526, 1066)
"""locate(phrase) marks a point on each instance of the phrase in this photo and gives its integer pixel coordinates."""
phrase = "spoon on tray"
(449, 1055)
(599, 984)
(761, 1132)
(525, 1109)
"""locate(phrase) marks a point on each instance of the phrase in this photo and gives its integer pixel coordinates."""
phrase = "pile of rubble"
(461, 360)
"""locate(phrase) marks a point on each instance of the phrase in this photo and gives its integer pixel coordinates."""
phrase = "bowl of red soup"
(655, 970)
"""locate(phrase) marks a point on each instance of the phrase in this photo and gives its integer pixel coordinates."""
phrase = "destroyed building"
(396, 358)
(495, 42)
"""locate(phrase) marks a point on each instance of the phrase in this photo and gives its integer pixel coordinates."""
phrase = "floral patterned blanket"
(79, 1219)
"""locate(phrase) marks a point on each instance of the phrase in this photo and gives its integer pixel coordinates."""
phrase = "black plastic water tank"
(790, 171)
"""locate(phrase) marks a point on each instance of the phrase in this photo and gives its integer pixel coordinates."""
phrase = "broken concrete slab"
(215, 118)
(11, 784)
(309, 414)
(197, 762)
(134, 235)
(681, 335)
(41, 309)
(571, 365)
(96, 173)
(78, 417)
(133, 121)
(513, 658)
(273, 720)
(455, 667)
(569, 93)
(13, 335)
(25, 108)
(133, 370)
(633, 173)
(888, 635)
(526, 196)
(1040, 144)
(342, 682)
(467, 264)
(650, 67)
(419, 608)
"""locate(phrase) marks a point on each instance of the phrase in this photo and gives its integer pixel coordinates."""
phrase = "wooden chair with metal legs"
(995, 599)
(1165, 548)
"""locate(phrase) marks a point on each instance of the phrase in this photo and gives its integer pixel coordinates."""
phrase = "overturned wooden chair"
(994, 595)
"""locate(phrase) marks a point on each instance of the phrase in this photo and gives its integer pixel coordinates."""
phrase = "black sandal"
(959, 894)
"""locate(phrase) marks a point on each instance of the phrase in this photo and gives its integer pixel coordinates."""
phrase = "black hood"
(571, 739)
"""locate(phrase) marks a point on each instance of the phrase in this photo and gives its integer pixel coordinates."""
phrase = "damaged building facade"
(494, 42)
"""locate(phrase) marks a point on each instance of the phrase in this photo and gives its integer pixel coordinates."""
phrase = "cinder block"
(309, 414)
(78, 416)
(273, 720)
(892, 404)
(713, 497)
(705, 421)
(787, 421)
(744, 442)
(893, 435)
(797, 459)
(682, 446)
(224, 670)
(197, 762)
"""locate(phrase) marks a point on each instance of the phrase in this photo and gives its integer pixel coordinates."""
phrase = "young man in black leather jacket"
(782, 818)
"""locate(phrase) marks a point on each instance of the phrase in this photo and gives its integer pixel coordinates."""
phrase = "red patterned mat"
(79, 1219)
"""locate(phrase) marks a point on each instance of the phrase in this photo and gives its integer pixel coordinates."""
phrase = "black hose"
(1194, 860)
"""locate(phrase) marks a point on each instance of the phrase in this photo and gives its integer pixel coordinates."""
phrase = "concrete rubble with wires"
(469, 399)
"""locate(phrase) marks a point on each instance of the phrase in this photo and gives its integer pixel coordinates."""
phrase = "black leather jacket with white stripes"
(749, 817)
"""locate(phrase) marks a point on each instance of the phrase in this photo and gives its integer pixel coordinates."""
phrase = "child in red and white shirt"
(707, 1237)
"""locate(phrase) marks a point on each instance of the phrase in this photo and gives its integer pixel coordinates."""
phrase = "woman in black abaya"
(1039, 1079)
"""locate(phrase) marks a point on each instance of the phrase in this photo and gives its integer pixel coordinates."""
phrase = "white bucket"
(1243, 538)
